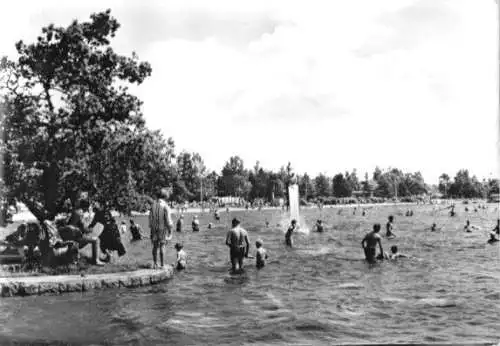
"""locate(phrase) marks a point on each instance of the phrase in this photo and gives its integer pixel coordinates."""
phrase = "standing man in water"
(369, 244)
(238, 243)
(161, 225)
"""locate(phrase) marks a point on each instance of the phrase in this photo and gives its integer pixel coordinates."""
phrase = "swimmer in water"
(497, 228)
(493, 238)
(389, 227)
(369, 244)
(434, 228)
(181, 257)
(395, 254)
(289, 232)
(261, 255)
(468, 227)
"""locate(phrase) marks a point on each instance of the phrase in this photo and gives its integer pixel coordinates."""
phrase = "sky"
(327, 85)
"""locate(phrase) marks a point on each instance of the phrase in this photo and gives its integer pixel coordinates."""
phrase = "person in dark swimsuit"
(369, 244)
(389, 227)
(238, 243)
(110, 239)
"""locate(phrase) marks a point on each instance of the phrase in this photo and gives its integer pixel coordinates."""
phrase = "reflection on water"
(320, 292)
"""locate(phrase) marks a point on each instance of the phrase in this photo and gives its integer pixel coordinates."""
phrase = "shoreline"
(58, 284)
(26, 216)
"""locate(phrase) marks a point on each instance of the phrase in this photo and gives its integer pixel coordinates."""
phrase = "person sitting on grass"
(195, 224)
(135, 230)
(369, 244)
(181, 257)
(76, 231)
(109, 239)
(289, 233)
(261, 255)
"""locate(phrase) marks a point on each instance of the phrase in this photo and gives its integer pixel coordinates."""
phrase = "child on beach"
(289, 232)
(261, 254)
(178, 225)
(195, 224)
(181, 257)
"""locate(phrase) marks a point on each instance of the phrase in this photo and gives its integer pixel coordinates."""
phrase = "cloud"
(408, 26)
(147, 24)
(406, 83)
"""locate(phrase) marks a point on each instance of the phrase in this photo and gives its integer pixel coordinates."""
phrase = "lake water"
(320, 292)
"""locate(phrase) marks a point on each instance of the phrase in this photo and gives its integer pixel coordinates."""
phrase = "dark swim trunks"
(370, 254)
(237, 252)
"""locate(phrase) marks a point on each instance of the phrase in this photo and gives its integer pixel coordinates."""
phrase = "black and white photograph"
(230, 172)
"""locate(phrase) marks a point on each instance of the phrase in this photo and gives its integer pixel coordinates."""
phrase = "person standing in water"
(319, 226)
(261, 254)
(178, 225)
(389, 227)
(289, 232)
(195, 224)
(238, 243)
(369, 244)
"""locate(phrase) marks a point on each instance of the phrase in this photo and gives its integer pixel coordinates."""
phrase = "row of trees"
(69, 124)
(465, 186)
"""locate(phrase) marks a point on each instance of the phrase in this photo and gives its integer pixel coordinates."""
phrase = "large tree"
(71, 123)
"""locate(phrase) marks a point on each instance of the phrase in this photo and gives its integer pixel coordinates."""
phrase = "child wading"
(319, 226)
(196, 224)
(261, 255)
(389, 227)
(181, 257)
(289, 232)
(178, 225)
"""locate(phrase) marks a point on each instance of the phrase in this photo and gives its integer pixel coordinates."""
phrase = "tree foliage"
(70, 123)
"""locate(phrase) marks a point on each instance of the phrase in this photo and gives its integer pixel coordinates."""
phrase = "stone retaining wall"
(56, 284)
